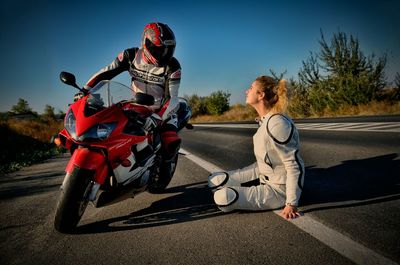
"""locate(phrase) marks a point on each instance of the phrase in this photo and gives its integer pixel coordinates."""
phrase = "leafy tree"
(3, 116)
(397, 80)
(218, 102)
(354, 77)
(276, 76)
(340, 73)
(198, 105)
(396, 94)
(49, 113)
(60, 114)
(298, 94)
(22, 107)
(310, 72)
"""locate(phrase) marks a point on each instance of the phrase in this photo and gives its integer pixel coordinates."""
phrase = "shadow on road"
(194, 202)
(352, 183)
(29, 184)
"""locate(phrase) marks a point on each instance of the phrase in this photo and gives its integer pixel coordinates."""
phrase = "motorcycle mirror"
(69, 79)
(143, 99)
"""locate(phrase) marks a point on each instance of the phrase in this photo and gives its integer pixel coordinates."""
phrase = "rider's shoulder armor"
(174, 70)
(173, 65)
(128, 55)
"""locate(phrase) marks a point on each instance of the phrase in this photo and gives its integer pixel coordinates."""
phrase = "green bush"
(217, 103)
(338, 75)
(198, 105)
(214, 104)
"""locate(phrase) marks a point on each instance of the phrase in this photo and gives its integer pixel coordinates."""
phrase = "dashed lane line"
(343, 126)
(333, 239)
(359, 127)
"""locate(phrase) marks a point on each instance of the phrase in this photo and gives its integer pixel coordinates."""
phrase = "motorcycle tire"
(73, 200)
(164, 175)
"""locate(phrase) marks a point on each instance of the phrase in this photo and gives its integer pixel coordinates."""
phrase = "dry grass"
(41, 131)
(237, 112)
(373, 108)
(246, 113)
(26, 142)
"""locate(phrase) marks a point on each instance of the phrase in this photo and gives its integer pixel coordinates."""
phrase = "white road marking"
(201, 162)
(342, 244)
(341, 126)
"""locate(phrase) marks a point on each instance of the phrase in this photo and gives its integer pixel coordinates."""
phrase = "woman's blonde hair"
(275, 93)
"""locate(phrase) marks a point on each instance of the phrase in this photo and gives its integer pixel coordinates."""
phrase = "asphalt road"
(352, 186)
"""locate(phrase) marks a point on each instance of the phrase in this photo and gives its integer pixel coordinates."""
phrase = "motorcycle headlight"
(98, 132)
(104, 130)
(69, 124)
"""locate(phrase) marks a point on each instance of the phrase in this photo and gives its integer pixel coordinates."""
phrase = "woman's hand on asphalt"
(290, 212)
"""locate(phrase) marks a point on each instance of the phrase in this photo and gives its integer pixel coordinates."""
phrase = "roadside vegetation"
(337, 80)
(26, 136)
(239, 112)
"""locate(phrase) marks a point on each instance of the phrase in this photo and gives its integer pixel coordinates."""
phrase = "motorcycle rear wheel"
(73, 200)
(163, 176)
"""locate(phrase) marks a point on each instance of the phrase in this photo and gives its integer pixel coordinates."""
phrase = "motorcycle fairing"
(107, 115)
(91, 160)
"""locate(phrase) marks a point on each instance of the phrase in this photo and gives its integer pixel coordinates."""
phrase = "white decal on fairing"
(141, 172)
(122, 173)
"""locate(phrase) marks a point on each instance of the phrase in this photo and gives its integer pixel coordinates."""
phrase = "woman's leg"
(254, 198)
(234, 177)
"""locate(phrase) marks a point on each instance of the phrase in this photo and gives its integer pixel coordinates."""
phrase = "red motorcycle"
(113, 156)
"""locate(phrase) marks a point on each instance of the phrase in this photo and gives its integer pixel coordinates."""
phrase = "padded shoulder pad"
(280, 128)
(131, 53)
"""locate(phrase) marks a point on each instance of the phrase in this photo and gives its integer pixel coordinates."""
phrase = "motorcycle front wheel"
(73, 199)
(164, 175)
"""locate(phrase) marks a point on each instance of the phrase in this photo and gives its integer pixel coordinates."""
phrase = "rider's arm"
(173, 82)
(119, 65)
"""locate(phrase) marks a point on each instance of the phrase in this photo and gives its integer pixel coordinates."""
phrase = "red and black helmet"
(158, 42)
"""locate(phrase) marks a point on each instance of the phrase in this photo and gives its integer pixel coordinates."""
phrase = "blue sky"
(221, 45)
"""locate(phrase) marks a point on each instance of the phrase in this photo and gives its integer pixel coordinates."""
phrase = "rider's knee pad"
(168, 137)
(217, 179)
(226, 197)
(170, 142)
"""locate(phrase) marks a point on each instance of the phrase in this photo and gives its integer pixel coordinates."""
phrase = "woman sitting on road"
(277, 178)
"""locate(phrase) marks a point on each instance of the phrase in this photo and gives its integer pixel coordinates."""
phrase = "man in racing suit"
(156, 72)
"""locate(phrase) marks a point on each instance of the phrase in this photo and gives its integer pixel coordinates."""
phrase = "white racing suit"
(279, 170)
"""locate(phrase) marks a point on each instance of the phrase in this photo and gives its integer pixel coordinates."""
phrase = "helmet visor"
(161, 53)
